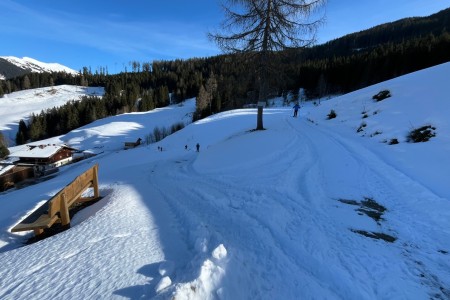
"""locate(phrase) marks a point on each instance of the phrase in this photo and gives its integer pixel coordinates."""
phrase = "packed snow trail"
(279, 213)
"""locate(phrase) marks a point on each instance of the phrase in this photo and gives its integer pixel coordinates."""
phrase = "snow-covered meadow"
(309, 208)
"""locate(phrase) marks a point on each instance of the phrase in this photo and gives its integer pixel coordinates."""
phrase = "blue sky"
(111, 33)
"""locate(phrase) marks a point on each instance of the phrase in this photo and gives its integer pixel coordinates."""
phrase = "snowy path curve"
(290, 221)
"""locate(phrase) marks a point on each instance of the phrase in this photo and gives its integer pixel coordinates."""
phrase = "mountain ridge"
(11, 66)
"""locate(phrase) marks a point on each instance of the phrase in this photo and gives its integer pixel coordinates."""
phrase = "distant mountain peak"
(11, 66)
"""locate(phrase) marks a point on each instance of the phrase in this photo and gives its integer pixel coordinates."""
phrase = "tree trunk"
(264, 65)
(259, 118)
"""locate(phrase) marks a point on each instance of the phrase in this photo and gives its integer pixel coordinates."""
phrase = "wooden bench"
(129, 145)
(56, 210)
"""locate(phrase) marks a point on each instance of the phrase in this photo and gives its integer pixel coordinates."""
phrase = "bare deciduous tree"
(265, 26)
(201, 100)
(211, 88)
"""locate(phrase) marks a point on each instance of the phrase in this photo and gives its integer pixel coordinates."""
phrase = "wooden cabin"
(33, 161)
(49, 154)
(44, 158)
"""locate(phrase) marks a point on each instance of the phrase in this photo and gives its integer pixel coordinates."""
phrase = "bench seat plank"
(44, 221)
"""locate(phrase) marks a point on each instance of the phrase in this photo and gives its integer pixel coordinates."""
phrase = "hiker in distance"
(296, 108)
(198, 147)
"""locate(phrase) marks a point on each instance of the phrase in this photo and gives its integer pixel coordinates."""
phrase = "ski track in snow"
(374, 179)
(276, 233)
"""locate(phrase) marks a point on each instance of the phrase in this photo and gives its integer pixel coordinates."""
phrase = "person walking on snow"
(198, 147)
(296, 107)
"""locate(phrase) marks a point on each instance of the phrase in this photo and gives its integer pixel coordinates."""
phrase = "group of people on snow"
(196, 146)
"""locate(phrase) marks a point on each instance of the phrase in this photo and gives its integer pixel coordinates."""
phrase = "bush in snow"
(361, 127)
(421, 134)
(393, 142)
(332, 115)
(376, 133)
(160, 133)
(176, 127)
(382, 95)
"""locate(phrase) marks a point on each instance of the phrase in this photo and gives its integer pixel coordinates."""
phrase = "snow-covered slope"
(32, 65)
(20, 105)
(307, 209)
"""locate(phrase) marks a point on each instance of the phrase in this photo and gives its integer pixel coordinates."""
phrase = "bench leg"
(95, 182)
(38, 231)
(65, 217)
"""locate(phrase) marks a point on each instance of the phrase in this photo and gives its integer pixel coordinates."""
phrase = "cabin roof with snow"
(5, 168)
(39, 151)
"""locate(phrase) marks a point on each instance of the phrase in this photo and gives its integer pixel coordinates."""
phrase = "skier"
(198, 147)
(296, 107)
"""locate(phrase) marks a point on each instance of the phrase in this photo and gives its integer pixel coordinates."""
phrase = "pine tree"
(37, 127)
(22, 133)
(262, 27)
(20, 138)
(72, 120)
(162, 96)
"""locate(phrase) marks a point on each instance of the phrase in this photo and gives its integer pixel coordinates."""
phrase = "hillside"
(20, 105)
(308, 208)
(394, 32)
(9, 70)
